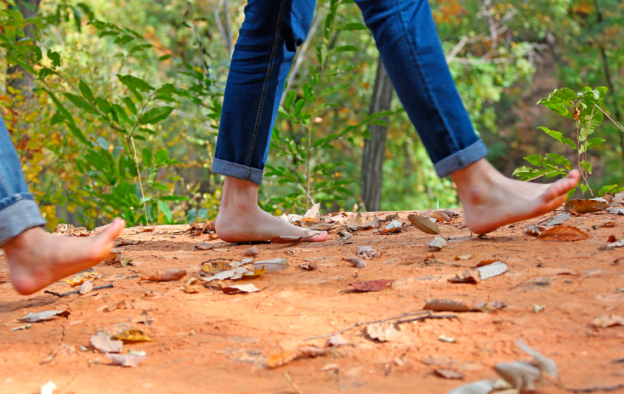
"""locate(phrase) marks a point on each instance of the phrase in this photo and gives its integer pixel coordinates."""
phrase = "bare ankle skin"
(38, 259)
(240, 219)
(491, 200)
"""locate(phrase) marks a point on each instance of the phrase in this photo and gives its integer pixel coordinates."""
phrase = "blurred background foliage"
(504, 56)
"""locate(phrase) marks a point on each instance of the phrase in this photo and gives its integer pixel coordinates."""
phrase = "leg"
(262, 58)
(411, 51)
(36, 258)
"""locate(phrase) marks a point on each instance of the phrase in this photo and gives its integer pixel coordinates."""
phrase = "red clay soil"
(220, 343)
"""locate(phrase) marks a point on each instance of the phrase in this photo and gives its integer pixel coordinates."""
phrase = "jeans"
(411, 52)
(18, 210)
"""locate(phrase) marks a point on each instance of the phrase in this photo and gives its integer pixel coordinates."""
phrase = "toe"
(317, 237)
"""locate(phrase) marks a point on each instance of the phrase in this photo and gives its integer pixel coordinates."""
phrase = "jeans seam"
(265, 87)
(422, 71)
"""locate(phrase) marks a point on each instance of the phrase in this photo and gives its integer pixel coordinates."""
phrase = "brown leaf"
(203, 246)
(321, 227)
(281, 359)
(392, 228)
(371, 285)
(449, 374)
(43, 316)
(308, 266)
(285, 239)
(423, 224)
(105, 344)
(464, 257)
(354, 222)
(248, 288)
(113, 257)
(612, 239)
(147, 229)
(367, 252)
(382, 332)
(586, 206)
(132, 335)
(126, 360)
(86, 287)
(370, 224)
(557, 220)
(608, 321)
(118, 305)
(439, 216)
(126, 242)
(467, 276)
(487, 262)
(355, 262)
(564, 234)
(166, 275)
(448, 306)
(450, 213)
(534, 230)
(617, 199)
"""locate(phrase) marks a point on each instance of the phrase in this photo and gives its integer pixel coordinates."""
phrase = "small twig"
(619, 126)
(400, 319)
(306, 192)
(292, 383)
(78, 291)
(595, 388)
(136, 161)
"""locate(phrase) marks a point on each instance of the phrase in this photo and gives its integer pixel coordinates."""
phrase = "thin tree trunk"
(374, 148)
(18, 78)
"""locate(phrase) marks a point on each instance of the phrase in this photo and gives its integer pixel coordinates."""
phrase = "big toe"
(317, 237)
(562, 186)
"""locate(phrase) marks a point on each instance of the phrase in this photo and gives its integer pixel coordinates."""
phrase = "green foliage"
(585, 109)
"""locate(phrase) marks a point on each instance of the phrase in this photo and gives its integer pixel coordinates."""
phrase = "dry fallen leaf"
(85, 287)
(308, 266)
(126, 360)
(467, 276)
(520, 375)
(355, 262)
(444, 338)
(166, 275)
(79, 278)
(313, 212)
(617, 199)
(586, 206)
(464, 257)
(118, 305)
(423, 224)
(487, 262)
(43, 316)
(203, 246)
(126, 242)
(105, 344)
(534, 230)
(235, 289)
(608, 321)
(214, 266)
(392, 227)
(285, 239)
(272, 265)
(492, 270)
(113, 257)
(354, 222)
(382, 332)
(449, 373)
(439, 216)
(253, 251)
(281, 359)
(557, 220)
(448, 306)
(370, 224)
(367, 252)
(564, 234)
(616, 211)
(480, 387)
(437, 243)
(543, 363)
(132, 335)
(335, 341)
(321, 227)
(371, 285)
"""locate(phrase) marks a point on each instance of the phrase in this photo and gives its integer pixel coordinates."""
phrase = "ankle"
(239, 194)
(24, 240)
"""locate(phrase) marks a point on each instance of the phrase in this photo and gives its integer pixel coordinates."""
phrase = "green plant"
(314, 177)
(585, 109)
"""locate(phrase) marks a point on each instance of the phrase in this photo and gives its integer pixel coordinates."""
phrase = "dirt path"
(215, 342)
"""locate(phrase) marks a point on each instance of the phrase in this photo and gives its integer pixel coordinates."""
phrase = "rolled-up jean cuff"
(461, 159)
(237, 171)
(19, 217)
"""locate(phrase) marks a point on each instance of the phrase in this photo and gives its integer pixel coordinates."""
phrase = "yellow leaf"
(133, 335)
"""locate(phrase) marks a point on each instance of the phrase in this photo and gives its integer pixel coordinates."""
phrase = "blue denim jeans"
(18, 210)
(411, 52)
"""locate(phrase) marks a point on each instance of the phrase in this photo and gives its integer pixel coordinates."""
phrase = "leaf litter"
(437, 243)
(586, 206)
(371, 285)
(125, 360)
(392, 228)
(235, 289)
(367, 252)
(355, 262)
(105, 344)
(423, 224)
(167, 275)
(563, 234)
(132, 335)
(43, 316)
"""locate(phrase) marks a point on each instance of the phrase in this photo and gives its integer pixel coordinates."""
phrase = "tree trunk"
(374, 148)
(18, 78)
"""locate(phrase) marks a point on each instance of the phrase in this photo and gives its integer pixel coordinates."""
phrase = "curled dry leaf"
(272, 265)
(520, 375)
(281, 359)
(616, 211)
(612, 239)
(132, 335)
(464, 256)
(166, 275)
(393, 227)
(608, 321)
(439, 305)
(248, 288)
(586, 206)
(466, 276)
(534, 230)
(423, 224)
(105, 344)
(557, 220)
(354, 222)
(492, 270)
(253, 251)
(321, 227)
(187, 286)
(355, 262)
(439, 216)
(367, 252)
(382, 332)
(480, 387)
(370, 224)
(450, 213)
(308, 266)
(86, 287)
(79, 278)
(214, 266)
(126, 360)
(43, 316)
(437, 243)
(113, 257)
(617, 199)
(543, 363)
(563, 234)
(444, 338)
(449, 373)
(335, 341)
(203, 246)
(313, 212)
(487, 262)
(371, 285)
(285, 239)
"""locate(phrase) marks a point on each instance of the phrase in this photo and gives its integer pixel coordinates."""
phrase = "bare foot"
(491, 200)
(38, 259)
(240, 219)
